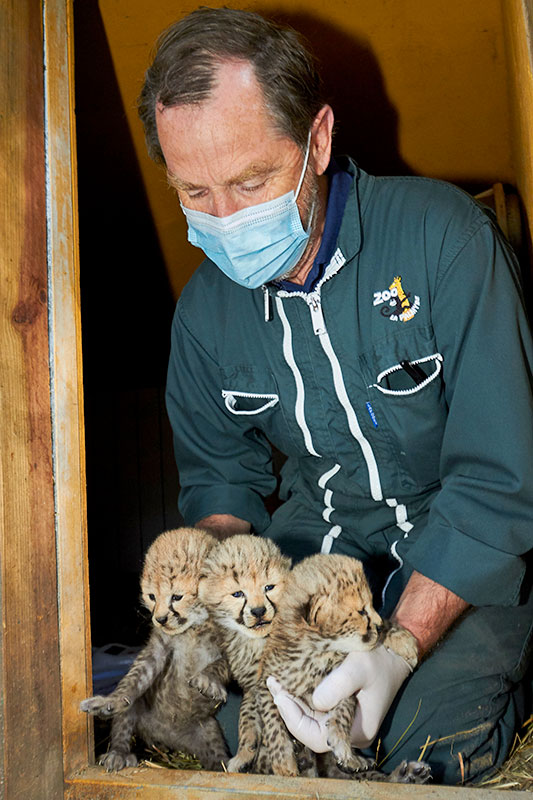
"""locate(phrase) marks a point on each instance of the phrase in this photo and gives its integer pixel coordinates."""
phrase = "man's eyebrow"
(176, 183)
(259, 170)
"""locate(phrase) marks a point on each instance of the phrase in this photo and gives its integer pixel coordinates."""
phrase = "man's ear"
(321, 137)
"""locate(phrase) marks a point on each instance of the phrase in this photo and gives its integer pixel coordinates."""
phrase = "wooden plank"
(30, 682)
(66, 382)
(161, 784)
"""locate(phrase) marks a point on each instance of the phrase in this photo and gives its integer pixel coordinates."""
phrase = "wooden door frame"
(45, 669)
(518, 28)
(44, 666)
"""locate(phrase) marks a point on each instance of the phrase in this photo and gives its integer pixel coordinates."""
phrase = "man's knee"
(459, 748)
(462, 723)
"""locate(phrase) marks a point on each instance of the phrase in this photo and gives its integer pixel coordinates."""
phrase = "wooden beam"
(66, 382)
(518, 27)
(165, 784)
(30, 718)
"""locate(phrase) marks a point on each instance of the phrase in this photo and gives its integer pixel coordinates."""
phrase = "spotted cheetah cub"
(326, 613)
(171, 692)
(244, 584)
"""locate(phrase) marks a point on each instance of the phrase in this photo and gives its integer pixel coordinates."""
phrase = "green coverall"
(400, 390)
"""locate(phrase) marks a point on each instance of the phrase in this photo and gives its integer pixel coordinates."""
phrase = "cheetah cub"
(171, 692)
(326, 613)
(244, 584)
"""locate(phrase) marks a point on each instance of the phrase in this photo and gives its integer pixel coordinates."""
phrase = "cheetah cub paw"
(115, 760)
(106, 706)
(241, 760)
(411, 772)
(210, 688)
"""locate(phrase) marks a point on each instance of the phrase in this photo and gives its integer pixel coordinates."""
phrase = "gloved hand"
(305, 724)
(376, 675)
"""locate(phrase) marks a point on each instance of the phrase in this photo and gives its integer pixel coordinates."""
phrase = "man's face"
(225, 154)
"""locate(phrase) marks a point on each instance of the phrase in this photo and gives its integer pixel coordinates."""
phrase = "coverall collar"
(349, 239)
(339, 184)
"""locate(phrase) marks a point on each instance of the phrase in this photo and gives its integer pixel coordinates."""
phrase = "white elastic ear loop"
(306, 159)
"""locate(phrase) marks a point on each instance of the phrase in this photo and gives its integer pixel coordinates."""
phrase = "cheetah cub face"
(245, 579)
(169, 582)
(339, 607)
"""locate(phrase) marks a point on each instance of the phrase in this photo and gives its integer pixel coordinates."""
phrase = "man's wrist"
(427, 609)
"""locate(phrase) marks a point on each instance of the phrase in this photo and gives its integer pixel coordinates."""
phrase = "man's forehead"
(226, 139)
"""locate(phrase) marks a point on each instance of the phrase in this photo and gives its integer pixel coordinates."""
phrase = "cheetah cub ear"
(317, 609)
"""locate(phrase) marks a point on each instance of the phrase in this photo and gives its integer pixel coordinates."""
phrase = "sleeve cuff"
(473, 570)
(200, 502)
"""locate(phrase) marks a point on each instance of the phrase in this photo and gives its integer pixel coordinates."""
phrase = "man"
(373, 330)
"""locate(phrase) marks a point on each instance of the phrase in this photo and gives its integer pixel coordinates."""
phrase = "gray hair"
(189, 52)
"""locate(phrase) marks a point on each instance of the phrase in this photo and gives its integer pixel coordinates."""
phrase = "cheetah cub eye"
(174, 607)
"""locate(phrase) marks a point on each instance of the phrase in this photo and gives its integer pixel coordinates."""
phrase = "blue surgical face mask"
(256, 244)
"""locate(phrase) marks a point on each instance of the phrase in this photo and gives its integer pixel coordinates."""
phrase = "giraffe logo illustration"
(395, 303)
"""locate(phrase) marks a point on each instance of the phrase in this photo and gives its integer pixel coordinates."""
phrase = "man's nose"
(223, 204)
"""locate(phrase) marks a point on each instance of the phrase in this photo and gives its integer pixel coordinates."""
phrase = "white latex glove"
(305, 724)
(375, 675)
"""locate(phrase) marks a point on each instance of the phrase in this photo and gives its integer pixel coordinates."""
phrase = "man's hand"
(305, 724)
(223, 525)
(375, 675)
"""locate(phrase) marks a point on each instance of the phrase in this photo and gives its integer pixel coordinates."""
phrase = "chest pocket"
(248, 403)
(409, 376)
(252, 396)
(406, 391)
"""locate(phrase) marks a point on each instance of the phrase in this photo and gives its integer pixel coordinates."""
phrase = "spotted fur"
(244, 584)
(176, 683)
(326, 613)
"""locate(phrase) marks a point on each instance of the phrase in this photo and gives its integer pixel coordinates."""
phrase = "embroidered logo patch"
(397, 304)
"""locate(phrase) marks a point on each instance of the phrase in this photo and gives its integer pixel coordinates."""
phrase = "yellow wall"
(417, 85)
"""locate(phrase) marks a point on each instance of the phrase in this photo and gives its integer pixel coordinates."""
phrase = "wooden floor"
(144, 783)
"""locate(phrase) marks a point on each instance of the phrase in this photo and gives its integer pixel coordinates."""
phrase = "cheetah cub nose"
(162, 620)
(258, 612)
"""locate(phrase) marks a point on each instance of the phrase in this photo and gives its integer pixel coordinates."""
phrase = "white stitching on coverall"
(314, 305)
(299, 408)
(336, 530)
